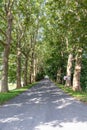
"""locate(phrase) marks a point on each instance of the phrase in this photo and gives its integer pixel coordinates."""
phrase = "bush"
(40, 76)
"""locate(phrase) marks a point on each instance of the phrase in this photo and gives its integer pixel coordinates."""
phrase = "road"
(43, 107)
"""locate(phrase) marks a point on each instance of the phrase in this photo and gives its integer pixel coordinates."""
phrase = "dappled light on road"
(43, 107)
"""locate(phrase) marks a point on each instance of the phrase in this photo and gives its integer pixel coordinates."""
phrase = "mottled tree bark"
(32, 68)
(18, 67)
(4, 80)
(77, 71)
(25, 71)
(69, 70)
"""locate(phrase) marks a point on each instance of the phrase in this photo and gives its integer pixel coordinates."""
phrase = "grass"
(4, 97)
(82, 96)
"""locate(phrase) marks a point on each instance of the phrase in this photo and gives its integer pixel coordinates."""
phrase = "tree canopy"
(45, 37)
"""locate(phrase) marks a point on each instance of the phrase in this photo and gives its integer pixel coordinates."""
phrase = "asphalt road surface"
(43, 107)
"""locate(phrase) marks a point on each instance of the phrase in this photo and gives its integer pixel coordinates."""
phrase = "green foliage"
(65, 29)
(84, 73)
(51, 29)
(40, 76)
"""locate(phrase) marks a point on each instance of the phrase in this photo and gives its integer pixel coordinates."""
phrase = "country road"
(43, 107)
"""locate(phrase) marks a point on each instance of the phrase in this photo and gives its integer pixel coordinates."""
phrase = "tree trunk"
(31, 67)
(77, 71)
(25, 71)
(18, 68)
(69, 70)
(59, 76)
(4, 80)
(34, 70)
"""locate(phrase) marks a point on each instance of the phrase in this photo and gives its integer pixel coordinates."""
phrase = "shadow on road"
(43, 107)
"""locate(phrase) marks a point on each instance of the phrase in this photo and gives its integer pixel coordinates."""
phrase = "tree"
(77, 71)
(49, 38)
(7, 11)
(69, 18)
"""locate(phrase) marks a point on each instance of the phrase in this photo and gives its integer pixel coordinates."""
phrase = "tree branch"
(12, 3)
(3, 32)
(5, 6)
(25, 53)
(9, 2)
(21, 36)
(3, 43)
(2, 17)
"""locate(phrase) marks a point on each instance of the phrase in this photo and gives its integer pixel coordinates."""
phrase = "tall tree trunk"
(31, 67)
(34, 70)
(59, 76)
(18, 68)
(69, 70)
(77, 71)
(4, 80)
(25, 71)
